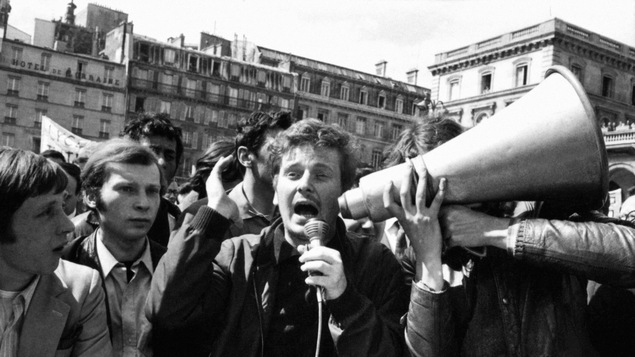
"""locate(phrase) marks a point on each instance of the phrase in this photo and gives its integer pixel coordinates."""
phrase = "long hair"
(420, 138)
(24, 174)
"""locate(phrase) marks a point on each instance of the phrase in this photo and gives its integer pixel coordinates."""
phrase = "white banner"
(55, 137)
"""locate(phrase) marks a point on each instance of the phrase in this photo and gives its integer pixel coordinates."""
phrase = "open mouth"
(306, 209)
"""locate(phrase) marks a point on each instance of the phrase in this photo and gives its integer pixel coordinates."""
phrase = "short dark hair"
(75, 172)
(53, 154)
(154, 124)
(421, 137)
(118, 150)
(251, 131)
(24, 174)
(206, 163)
(316, 134)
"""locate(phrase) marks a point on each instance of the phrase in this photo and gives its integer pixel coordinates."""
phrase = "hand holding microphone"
(323, 260)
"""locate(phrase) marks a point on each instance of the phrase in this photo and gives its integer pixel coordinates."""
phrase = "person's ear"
(244, 156)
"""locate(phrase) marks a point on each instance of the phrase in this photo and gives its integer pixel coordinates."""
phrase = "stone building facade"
(83, 94)
(476, 81)
(372, 107)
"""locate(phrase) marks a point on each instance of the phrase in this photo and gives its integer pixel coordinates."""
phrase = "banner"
(55, 137)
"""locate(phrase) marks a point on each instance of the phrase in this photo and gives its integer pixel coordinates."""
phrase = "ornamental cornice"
(483, 58)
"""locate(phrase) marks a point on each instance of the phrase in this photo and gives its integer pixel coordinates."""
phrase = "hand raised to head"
(216, 195)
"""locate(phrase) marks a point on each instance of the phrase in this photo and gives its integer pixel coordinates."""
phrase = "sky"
(352, 33)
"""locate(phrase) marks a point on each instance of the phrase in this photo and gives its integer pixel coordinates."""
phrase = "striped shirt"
(13, 307)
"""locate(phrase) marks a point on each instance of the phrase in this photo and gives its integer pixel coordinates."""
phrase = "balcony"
(13, 93)
(79, 104)
(105, 108)
(619, 140)
(43, 98)
(9, 120)
(37, 125)
(104, 135)
(77, 131)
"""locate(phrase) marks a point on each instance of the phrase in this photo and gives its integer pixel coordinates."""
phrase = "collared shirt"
(13, 307)
(253, 221)
(391, 230)
(126, 301)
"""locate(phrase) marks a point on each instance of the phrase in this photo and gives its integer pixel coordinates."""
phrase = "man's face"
(129, 200)
(39, 228)
(260, 164)
(308, 185)
(165, 149)
(70, 195)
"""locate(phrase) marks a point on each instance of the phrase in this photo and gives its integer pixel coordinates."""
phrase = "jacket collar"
(45, 320)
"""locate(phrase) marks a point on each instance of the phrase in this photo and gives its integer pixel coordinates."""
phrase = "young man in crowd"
(47, 306)
(255, 289)
(254, 195)
(156, 132)
(122, 184)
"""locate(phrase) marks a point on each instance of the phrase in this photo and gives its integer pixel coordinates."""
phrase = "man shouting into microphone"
(251, 291)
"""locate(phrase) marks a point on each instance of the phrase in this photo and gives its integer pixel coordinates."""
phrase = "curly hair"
(154, 124)
(315, 133)
(252, 131)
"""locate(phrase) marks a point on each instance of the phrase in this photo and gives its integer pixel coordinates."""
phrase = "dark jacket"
(531, 303)
(203, 278)
(83, 251)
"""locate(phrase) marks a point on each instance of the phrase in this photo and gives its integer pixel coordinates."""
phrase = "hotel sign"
(67, 73)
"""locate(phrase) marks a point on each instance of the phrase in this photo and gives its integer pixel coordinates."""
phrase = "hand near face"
(468, 228)
(217, 197)
(420, 224)
(328, 262)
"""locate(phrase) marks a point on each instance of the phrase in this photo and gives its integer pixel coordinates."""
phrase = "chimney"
(412, 76)
(380, 68)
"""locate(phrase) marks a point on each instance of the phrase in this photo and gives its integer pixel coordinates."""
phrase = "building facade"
(475, 81)
(83, 94)
(372, 107)
(204, 94)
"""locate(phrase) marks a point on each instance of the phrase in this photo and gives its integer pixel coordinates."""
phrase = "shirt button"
(505, 302)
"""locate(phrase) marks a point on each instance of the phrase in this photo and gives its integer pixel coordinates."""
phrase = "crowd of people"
(95, 260)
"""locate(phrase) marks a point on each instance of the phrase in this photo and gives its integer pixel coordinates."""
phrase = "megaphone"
(545, 146)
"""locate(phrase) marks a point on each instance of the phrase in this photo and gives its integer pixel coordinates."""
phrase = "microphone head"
(316, 229)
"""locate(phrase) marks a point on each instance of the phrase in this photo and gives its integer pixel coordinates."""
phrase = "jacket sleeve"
(187, 288)
(369, 325)
(93, 339)
(602, 252)
(430, 326)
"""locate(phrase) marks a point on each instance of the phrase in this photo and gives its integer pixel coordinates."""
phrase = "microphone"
(316, 229)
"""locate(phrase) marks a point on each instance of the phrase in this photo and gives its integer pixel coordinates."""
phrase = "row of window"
(212, 92)
(210, 66)
(45, 63)
(521, 78)
(361, 126)
(43, 90)
(196, 114)
(325, 91)
(12, 116)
